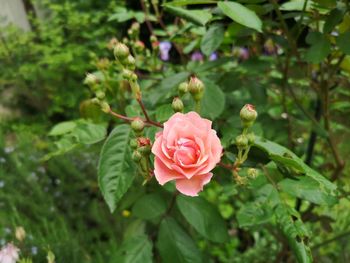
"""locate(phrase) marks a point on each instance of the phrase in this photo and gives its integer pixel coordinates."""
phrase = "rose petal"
(163, 174)
(193, 186)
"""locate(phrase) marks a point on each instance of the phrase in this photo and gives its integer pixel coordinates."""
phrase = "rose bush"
(186, 151)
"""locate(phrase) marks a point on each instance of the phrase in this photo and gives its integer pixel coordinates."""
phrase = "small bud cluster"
(141, 148)
(244, 142)
(99, 90)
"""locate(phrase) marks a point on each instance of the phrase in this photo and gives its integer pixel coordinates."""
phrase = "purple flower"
(213, 56)
(164, 48)
(197, 56)
(241, 53)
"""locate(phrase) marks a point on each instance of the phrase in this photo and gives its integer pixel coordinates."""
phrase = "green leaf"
(320, 47)
(175, 245)
(291, 161)
(150, 206)
(137, 249)
(115, 169)
(212, 39)
(208, 65)
(295, 233)
(333, 19)
(198, 17)
(164, 112)
(90, 133)
(62, 128)
(343, 42)
(296, 5)
(213, 102)
(191, 2)
(204, 217)
(252, 214)
(308, 189)
(241, 14)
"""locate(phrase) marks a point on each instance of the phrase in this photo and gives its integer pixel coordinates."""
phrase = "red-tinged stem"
(148, 122)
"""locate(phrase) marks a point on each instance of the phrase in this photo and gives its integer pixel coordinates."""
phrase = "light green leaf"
(198, 17)
(308, 189)
(204, 217)
(296, 5)
(191, 2)
(241, 14)
(343, 42)
(62, 128)
(213, 102)
(115, 169)
(252, 214)
(164, 112)
(150, 206)
(90, 133)
(212, 39)
(175, 245)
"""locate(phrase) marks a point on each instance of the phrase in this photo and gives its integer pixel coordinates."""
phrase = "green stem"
(198, 106)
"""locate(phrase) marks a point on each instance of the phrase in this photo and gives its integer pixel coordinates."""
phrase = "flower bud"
(136, 156)
(177, 105)
(129, 75)
(241, 141)
(144, 145)
(121, 51)
(133, 143)
(138, 125)
(252, 173)
(196, 88)
(153, 38)
(251, 138)
(129, 62)
(105, 107)
(90, 79)
(100, 95)
(183, 88)
(139, 46)
(20, 233)
(248, 115)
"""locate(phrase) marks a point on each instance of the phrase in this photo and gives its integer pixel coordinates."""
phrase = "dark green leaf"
(241, 14)
(333, 19)
(252, 214)
(150, 206)
(320, 47)
(204, 217)
(290, 160)
(211, 65)
(343, 42)
(191, 2)
(308, 189)
(175, 245)
(137, 249)
(213, 102)
(115, 169)
(212, 39)
(164, 112)
(198, 17)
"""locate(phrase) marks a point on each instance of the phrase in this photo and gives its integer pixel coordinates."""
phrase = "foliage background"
(57, 200)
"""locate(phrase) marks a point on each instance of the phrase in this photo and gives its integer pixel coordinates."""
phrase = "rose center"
(187, 151)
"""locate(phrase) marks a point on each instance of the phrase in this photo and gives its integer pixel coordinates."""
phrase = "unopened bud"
(129, 62)
(252, 173)
(135, 26)
(121, 51)
(136, 156)
(139, 46)
(129, 75)
(196, 88)
(138, 125)
(241, 141)
(20, 233)
(177, 105)
(183, 88)
(144, 145)
(105, 107)
(90, 79)
(251, 138)
(133, 143)
(100, 95)
(248, 115)
(153, 38)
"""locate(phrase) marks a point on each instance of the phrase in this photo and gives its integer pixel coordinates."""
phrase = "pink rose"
(186, 151)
